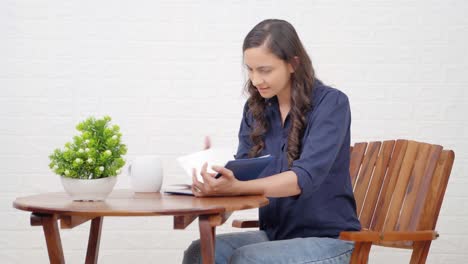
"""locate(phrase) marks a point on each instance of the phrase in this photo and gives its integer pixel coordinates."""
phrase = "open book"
(243, 169)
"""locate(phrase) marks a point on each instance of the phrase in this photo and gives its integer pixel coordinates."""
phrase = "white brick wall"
(161, 68)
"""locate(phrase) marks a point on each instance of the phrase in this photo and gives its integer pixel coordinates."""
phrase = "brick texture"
(163, 68)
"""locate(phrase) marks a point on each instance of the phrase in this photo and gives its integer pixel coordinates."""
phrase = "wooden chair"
(399, 187)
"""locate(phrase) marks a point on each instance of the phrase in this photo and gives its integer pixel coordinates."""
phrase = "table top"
(129, 203)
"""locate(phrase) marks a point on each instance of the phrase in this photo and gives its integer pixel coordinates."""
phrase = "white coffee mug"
(146, 173)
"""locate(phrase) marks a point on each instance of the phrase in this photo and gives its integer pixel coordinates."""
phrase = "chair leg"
(94, 240)
(361, 253)
(420, 251)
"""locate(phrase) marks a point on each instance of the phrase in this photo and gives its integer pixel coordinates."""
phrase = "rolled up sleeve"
(329, 125)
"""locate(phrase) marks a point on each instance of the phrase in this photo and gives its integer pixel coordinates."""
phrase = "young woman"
(305, 125)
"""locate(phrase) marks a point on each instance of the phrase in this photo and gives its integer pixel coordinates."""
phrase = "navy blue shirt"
(326, 204)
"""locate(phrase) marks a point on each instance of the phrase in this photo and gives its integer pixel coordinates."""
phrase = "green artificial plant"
(95, 153)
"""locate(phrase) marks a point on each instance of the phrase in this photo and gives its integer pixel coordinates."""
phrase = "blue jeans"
(255, 247)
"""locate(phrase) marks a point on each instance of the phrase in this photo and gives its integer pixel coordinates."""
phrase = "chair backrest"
(399, 185)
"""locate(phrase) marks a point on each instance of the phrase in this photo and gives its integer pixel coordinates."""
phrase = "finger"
(194, 173)
(197, 186)
(196, 191)
(194, 176)
(196, 182)
(207, 177)
(211, 174)
(223, 171)
(207, 142)
(204, 168)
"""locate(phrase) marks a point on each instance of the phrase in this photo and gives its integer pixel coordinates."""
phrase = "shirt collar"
(271, 101)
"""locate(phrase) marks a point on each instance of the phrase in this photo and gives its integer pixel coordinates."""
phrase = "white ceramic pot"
(89, 190)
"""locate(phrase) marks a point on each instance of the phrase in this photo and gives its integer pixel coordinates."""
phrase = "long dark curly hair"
(281, 39)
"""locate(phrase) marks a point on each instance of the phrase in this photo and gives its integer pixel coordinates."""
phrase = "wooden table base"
(49, 208)
(207, 239)
(49, 223)
(94, 240)
(52, 236)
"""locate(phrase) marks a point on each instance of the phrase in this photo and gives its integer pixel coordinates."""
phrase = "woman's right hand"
(195, 190)
(226, 185)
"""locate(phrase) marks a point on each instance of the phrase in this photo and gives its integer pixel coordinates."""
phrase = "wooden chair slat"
(374, 187)
(365, 174)
(436, 193)
(424, 185)
(414, 187)
(400, 187)
(357, 154)
(388, 185)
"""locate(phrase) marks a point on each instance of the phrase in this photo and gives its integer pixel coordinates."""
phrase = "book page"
(214, 156)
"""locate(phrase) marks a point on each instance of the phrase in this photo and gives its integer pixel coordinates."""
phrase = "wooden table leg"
(207, 239)
(94, 240)
(52, 235)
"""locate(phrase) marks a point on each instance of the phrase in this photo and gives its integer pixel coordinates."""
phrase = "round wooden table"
(48, 208)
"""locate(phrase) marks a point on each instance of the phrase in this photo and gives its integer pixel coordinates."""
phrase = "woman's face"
(268, 73)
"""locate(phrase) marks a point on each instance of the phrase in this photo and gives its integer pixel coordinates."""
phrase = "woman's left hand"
(226, 185)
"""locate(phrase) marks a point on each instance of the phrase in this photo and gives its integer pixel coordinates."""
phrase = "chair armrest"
(373, 236)
(241, 223)
(360, 236)
(423, 235)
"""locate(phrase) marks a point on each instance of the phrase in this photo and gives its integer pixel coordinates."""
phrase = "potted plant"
(89, 165)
